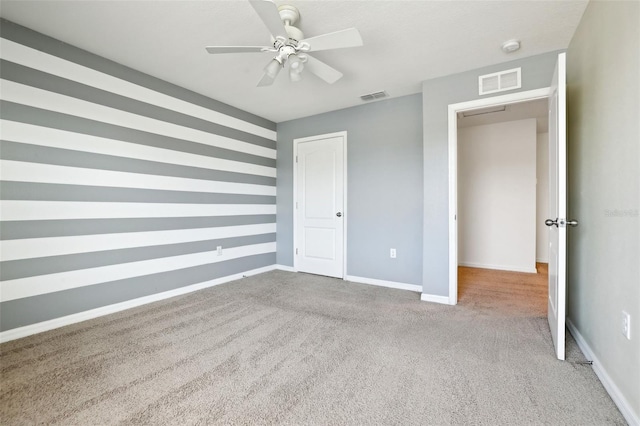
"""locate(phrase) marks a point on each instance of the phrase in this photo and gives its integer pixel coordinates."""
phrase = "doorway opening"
(454, 110)
(503, 198)
(556, 93)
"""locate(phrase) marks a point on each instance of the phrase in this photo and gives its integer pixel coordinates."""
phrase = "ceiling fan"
(289, 44)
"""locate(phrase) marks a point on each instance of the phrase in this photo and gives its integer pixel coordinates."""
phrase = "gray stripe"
(27, 37)
(64, 157)
(34, 78)
(56, 120)
(31, 310)
(13, 230)
(10, 190)
(14, 269)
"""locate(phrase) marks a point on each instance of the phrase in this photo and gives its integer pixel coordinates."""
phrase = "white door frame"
(345, 214)
(454, 109)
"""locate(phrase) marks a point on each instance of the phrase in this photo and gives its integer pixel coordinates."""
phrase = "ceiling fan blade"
(234, 49)
(336, 40)
(268, 12)
(322, 70)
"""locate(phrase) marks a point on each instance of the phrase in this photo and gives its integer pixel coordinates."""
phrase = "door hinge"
(296, 158)
(296, 204)
(296, 251)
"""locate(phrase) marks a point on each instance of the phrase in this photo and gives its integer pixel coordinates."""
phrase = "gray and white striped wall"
(117, 187)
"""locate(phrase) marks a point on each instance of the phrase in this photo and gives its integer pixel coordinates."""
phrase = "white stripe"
(46, 173)
(43, 284)
(384, 283)
(36, 59)
(39, 327)
(284, 268)
(54, 138)
(56, 246)
(53, 210)
(32, 96)
(445, 300)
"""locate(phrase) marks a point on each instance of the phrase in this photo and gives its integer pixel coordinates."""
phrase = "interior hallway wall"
(497, 196)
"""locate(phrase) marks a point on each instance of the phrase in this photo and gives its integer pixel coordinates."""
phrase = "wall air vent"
(482, 111)
(375, 95)
(500, 81)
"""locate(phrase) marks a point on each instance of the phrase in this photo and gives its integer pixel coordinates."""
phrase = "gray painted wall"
(84, 130)
(384, 207)
(437, 94)
(604, 179)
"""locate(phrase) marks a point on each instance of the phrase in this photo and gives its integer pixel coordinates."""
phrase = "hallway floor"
(514, 293)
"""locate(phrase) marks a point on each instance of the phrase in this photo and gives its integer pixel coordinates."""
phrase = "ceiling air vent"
(500, 81)
(375, 95)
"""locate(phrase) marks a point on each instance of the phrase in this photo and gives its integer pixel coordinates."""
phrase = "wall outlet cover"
(626, 325)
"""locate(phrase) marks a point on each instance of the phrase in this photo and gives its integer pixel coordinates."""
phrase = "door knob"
(339, 214)
(561, 222)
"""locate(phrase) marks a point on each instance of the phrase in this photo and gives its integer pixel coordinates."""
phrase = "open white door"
(556, 311)
(319, 233)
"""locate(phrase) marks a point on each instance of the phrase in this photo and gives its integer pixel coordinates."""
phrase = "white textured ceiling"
(405, 43)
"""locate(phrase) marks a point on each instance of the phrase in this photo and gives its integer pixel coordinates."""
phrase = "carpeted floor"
(285, 348)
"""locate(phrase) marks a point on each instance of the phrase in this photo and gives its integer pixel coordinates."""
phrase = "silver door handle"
(339, 214)
(561, 222)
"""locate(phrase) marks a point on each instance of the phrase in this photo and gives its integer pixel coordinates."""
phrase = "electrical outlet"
(392, 253)
(626, 325)
(219, 249)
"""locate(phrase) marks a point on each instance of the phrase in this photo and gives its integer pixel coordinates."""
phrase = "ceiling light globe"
(295, 64)
(295, 76)
(273, 68)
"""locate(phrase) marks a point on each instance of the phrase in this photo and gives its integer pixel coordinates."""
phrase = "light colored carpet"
(285, 348)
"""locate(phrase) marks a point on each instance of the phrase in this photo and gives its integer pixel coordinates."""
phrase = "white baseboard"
(383, 283)
(435, 299)
(285, 268)
(27, 330)
(614, 392)
(498, 267)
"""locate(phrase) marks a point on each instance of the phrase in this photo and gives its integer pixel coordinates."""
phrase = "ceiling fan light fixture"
(289, 44)
(273, 68)
(295, 76)
(296, 64)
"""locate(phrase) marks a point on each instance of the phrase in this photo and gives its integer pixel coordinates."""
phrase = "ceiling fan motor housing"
(290, 15)
(294, 33)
